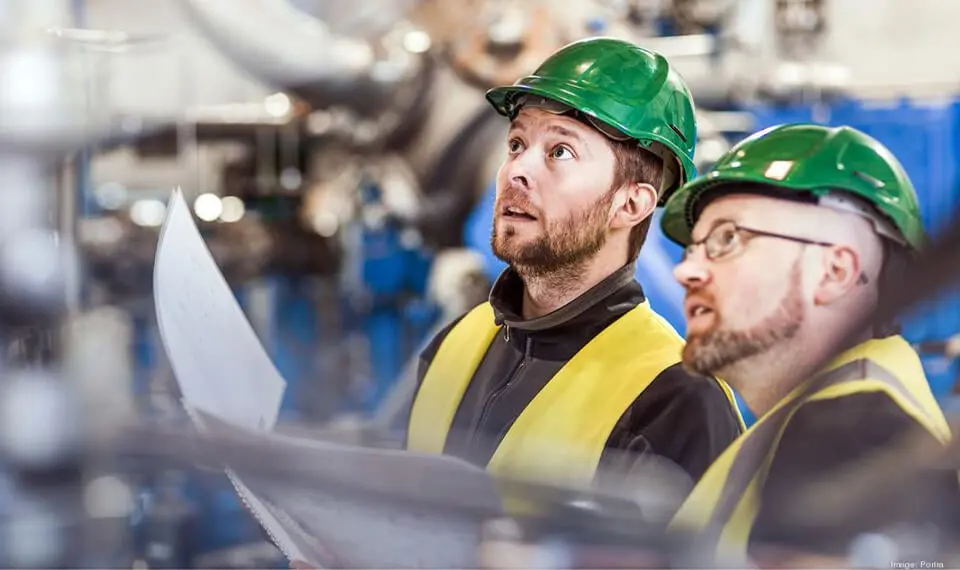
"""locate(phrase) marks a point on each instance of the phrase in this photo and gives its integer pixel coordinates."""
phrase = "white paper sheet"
(219, 362)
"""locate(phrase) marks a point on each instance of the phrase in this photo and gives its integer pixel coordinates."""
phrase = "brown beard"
(565, 245)
(711, 351)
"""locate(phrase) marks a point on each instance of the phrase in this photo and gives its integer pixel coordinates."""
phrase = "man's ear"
(633, 203)
(842, 270)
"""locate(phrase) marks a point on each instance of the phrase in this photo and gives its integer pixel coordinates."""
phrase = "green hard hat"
(623, 86)
(828, 164)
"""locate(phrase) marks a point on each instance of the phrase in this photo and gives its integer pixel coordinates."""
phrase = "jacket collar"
(506, 298)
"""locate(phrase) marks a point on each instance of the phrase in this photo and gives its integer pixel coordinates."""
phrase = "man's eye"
(514, 145)
(725, 236)
(561, 153)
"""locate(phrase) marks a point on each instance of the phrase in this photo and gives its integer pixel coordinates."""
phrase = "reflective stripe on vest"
(561, 434)
(447, 379)
(725, 502)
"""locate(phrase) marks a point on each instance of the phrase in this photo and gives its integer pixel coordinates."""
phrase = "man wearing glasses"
(789, 239)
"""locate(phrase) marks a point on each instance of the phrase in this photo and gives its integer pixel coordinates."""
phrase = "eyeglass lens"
(722, 240)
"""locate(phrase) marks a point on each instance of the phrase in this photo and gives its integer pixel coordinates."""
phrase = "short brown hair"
(634, 164)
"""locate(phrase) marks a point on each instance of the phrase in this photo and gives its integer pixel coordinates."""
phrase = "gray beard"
(710, 352)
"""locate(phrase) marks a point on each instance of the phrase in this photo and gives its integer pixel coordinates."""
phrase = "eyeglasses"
(727, 239)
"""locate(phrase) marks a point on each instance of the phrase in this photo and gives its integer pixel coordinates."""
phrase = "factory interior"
(339, 159)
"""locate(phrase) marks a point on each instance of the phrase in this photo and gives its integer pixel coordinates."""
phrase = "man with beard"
(566, 369)
(789, 239)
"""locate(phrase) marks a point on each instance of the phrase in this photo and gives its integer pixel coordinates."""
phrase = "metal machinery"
(354, 213)
(356, 181)
(345, 179)
(343, 188)
(381, 146)
(65, 380)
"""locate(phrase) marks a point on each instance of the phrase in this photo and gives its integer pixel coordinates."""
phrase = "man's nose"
(520, 170)
(692, 272)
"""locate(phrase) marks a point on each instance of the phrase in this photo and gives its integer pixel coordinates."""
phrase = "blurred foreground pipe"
(47, 112)
(281, 45)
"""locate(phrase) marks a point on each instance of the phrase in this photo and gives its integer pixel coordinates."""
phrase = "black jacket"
(824, 440)
(685, 418)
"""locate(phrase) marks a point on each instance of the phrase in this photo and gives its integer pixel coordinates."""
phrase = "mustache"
(516, 197)
(697, 294)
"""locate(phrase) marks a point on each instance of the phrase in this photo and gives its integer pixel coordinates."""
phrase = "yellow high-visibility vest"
(561, 435)
(725, 503)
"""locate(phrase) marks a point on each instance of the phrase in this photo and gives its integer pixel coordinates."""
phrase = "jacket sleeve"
(681, 417)
(810, 501)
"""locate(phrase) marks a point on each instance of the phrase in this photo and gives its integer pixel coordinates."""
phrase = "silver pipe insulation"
(283, 46)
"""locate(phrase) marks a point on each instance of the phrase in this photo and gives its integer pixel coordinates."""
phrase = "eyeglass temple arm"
(862, 278)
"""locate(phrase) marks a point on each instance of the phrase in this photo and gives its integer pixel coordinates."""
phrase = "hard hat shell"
(811, 160)
(632, 89)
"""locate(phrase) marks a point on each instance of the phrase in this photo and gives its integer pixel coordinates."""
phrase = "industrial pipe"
(360, 19)
(283, 46)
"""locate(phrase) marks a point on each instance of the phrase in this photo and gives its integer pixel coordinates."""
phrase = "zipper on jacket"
(488, 402)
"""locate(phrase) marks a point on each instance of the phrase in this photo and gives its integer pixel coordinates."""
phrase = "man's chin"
(702, 356)
(692, 362)
(511, 250)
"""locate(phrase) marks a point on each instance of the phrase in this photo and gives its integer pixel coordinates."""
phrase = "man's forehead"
(531, 118)
(754, 209)
(736, 207)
